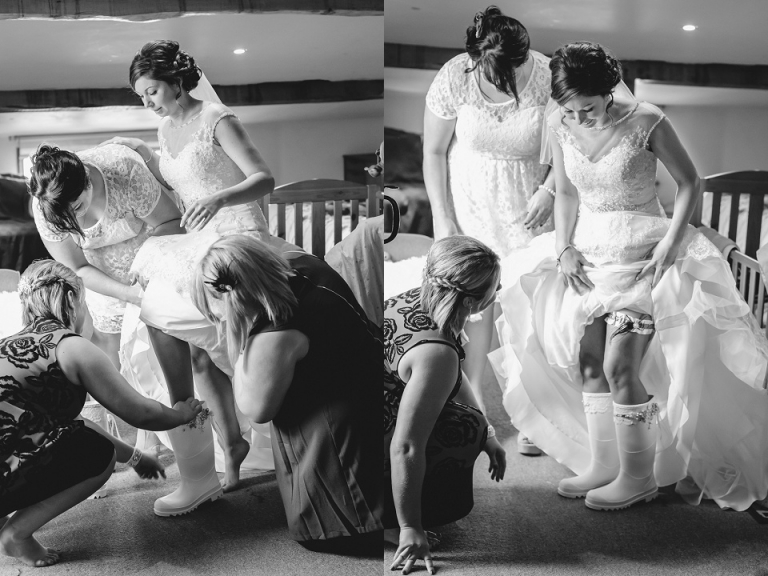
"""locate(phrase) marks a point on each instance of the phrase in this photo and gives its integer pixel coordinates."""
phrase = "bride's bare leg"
(216, 389)
(591, 357)
(17, 535)
(175, 362)
(623, 356)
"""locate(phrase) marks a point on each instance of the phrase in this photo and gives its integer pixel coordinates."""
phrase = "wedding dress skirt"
(169, 262)
(705, 366)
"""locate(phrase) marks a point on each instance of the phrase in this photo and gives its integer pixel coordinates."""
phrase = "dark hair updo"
(497, 44)
(58, 179)
(583, 69)
(164, 60)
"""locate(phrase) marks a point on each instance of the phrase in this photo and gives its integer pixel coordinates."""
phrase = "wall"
(314, 148)
(294, 150)
(718, 139)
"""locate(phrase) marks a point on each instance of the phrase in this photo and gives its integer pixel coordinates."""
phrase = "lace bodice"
(616, 186)
(624, 176)
(505, 130)
(195, 166)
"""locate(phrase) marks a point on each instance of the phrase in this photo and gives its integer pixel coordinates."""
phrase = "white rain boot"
(193, 447)
(604, 467)
(636, 430)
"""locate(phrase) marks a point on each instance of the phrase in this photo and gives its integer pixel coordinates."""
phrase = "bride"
(207, 158)
(627, 353)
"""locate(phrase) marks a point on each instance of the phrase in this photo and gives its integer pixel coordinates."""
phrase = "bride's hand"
(200, 213)
(497, 458)
(662, 256)
(572, 264)
(540, 208)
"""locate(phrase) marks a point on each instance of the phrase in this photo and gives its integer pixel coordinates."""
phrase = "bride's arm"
(566, 211)
(236, 143)
(667, 147)
(71, 255)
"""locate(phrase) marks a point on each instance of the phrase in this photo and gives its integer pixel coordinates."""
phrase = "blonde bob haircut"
(457, 267)
(43, 290)
(250, 280)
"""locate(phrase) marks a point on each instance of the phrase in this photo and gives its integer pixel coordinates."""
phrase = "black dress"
(43, 448)
(459, 433)
(326, 436)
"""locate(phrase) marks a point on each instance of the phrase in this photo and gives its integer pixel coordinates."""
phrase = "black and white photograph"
(191, 249)
(575, 315)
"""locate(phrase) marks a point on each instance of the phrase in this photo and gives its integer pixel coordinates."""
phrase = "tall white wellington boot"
(193, 447)
(604, 467)
(636, 430)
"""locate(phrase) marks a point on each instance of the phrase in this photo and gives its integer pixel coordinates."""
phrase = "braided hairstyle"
(497, 44)
(164, 60)
(583, 69)
(43, 289)
(58, 178)
(457, 266)
(249, 281)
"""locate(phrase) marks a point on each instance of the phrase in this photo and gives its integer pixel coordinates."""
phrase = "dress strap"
(648, 134)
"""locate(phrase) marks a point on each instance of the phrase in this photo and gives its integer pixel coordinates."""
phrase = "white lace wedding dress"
(195, 166)
(706, 364)
(493, 160)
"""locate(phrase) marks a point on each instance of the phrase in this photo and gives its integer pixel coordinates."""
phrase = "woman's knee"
(201, 361)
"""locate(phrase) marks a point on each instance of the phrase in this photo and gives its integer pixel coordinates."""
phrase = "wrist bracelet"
(548, 189)
(134, 459)
(563, 252)
(491, 431)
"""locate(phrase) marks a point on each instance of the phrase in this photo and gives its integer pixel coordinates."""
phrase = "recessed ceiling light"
(239, 51)
(689, 27)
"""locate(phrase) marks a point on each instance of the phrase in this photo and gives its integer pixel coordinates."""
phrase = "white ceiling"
(734, 31)
(66, 54)
(58, 54)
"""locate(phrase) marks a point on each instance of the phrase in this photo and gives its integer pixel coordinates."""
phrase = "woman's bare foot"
(28, 550)
(233, 458)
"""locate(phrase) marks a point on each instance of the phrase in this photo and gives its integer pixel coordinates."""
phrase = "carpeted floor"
(520, 526)
(243, 533)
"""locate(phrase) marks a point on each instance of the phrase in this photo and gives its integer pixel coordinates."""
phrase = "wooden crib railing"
(326, 197)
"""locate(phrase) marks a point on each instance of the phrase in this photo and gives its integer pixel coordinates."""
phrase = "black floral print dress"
(38, 405)
(459, 433)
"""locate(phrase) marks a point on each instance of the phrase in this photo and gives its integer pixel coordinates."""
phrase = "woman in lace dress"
(627, 352)
(482, 136)
(207, 158)
(94, 210)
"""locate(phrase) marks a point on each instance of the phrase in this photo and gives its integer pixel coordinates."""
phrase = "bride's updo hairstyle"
(58, 179)
(164, 60)
(497, 44)
(583, 69)
(249, 281)
(457, 266)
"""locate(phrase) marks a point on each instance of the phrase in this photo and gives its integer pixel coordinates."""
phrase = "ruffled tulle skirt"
(705, 366)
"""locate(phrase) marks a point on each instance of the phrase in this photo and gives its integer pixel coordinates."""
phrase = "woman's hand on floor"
(413, 546)
(497, 459)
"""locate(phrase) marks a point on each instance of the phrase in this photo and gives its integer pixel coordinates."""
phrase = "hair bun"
(44, 151)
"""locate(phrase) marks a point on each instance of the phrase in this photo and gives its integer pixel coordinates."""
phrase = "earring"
(610, 103)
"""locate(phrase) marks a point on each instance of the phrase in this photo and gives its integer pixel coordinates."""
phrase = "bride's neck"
(188, 107)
